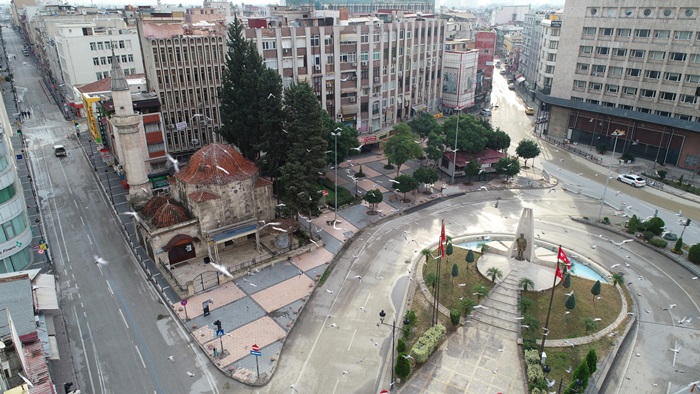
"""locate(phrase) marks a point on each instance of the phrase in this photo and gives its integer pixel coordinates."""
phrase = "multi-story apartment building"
(530, 49)
(84, 54)
(15, 230)
(549, 48)
(509, 14)
(365, 6)
(368, 74)
(636, 70)
(459, 70)
(485, 43)
(184, 63)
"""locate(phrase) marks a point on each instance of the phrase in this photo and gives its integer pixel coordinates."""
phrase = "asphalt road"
(120, 332)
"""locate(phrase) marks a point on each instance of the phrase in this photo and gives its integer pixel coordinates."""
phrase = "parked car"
(632, 179)
(485, 112)
(59, 150)
(529, 111)
(511, 86)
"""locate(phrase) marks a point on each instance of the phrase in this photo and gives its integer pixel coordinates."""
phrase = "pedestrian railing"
(170, 274)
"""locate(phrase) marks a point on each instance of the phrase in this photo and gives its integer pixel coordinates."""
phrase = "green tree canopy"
(589, 324)
(373, 197)
(526, 284)
(469, 258)
(527, 149)
(274, 142)
(435, 147)
(455, 271)
(402, 147)
(595, 290)
(405, 184)
(497, 140)
(347, 140)
(494, 273)
(403, 366)
(423, 124)
(449, 249)
(592, 361)
(618, 278)
(426, 175)
(507, 166)
(248, 95)
(480, 291)
(525, 305)
(567, 280)
(471, 136)
(472, 169)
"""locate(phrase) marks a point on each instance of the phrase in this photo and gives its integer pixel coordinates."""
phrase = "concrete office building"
(364, 6)
(366, 73)
(548, 51)
(635, 70)
(530, 48)
(509, 14)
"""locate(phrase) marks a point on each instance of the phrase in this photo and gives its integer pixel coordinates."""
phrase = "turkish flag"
(562, 257)
(443, 238)
(558, 272)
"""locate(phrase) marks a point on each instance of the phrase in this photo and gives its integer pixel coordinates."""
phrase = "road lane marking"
(82, 343)
(352, 339)
(82, 221)
(137, 350)
(109, 288)
(89, 239)
(97, 361)
(77, 207)
(127, 325)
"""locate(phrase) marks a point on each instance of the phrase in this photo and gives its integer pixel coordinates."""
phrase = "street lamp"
(406, 322)
(454, 165)
(335, 211)
(617, 133)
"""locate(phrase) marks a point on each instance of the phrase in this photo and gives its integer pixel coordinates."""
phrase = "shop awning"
(234, 233)
(44, 287)
(420, 107)
(348, 37)
(520, 79)
(348, 109)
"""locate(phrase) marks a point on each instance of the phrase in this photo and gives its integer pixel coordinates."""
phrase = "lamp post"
(454, 165)
(111, 198)
(617, 133)
(335, 194)
(382, 315)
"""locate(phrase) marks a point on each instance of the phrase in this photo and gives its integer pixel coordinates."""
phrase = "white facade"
(512, 14)
(84, 52)
(632, 55)
(459, 79)
(530, 49)
(548, 50)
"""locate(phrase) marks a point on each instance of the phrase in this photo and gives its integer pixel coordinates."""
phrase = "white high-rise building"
(633, 67)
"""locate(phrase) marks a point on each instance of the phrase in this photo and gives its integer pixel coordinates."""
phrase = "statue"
(521, 244)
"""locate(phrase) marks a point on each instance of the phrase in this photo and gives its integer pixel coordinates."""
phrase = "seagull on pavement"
(171, 358)
(619, 244)
(190, 374)
(358, 277)
(329, 291)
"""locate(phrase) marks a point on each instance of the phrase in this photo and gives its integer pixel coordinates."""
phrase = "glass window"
(634, 72)
(652, 74)
(585, 49)
(582, 67)
(602, 50)
(637, 53)
(587, 31)
(647, 12)
(595, 86)
(689, 12)
(669, 96)
(694, 58)
(689, 98)
(269, 44)
(606, 31)
(7, 193)
(364, 37)
(668, 12)
(642, 33)
(598, 70)
(100, 46)
(615, 71)
(657, 55)
(629, 90)
(675, 77)
(682, 35)
(647, 93)
(95, 61)
(662, 33)
(624, 32)
(579, 84)
(691, 78)
(677, 56)
(93, 46)
(612, 88)
(620, 52)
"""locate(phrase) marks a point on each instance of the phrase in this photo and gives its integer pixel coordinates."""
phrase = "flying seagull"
(279, 229)
(174, 161)
(190, 374)
(224, 170)
(222, 269)
(171, 358)
(270, 96)
(131, 213)
(100, 261)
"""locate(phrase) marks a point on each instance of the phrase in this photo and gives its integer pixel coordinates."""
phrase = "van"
(59, 150)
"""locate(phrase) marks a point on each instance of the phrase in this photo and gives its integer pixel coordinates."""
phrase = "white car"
(485, 112)
(632, 179)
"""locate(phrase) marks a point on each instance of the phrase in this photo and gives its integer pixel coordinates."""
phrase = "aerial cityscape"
(405, 196)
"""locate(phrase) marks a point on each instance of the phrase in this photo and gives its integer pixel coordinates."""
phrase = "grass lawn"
(563, 326)
(450, 290)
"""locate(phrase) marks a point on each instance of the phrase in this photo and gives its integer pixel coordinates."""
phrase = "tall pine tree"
(249, 94)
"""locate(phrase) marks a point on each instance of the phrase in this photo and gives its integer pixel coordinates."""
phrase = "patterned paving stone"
(222, 295)
(284, 293)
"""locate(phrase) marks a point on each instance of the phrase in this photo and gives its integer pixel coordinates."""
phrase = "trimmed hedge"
(658, 242)
(532, 357)
(426, 344)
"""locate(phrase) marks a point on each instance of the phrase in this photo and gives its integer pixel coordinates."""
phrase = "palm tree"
(526, 284)
(589, 324)
(494, 273)
(480, 291)
(427, 253)
(618, 278)
(430, 279)
(467, 305)
(525, 304)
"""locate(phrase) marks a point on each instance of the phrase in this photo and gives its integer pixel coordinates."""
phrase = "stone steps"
(501, 306)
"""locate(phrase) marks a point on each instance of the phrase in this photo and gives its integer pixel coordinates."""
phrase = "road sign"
(325, 192)
(255, 348)
(183, 302)
(40, 251)
(19, 244)
(384, 392)
(254, 353)
(43, 246)
(219, 333)
(19, 157)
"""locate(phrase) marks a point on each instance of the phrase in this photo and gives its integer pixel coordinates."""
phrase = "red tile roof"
(262, 182)
(154, 204)
(203, 195)
(105, 84)
(37, 370)
(217, 164)
(168, 215)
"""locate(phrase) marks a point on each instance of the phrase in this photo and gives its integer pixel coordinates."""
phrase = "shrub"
(8, 78)
(678, 247)
(627, 156)
(655, 225)
(680, 181)
(670, 237)
(694, 254)
(648, 235)
(592, 360)
(601, 149)
(532, 357)
(633, 224)
(606, 220)
(403, 366)
(401, 345)
(455, 315)
(427, 343)
(388, 166)
(658, 242)
(662, 174)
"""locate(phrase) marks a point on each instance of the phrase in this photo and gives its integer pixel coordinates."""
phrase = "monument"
(523, 246)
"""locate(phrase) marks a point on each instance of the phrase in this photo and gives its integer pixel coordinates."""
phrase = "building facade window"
(7, 193)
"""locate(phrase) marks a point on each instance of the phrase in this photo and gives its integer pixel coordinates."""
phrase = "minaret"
(130, 136)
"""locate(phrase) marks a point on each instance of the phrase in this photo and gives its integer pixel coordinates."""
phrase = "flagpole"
(549, 310)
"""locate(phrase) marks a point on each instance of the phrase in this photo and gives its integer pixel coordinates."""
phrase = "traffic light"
(687, 223)
(218, 324)
(19, 131)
